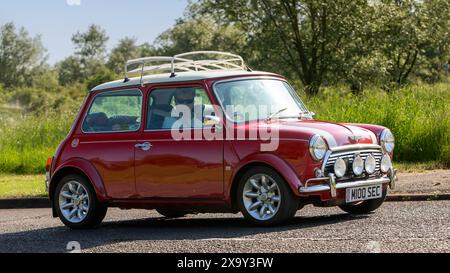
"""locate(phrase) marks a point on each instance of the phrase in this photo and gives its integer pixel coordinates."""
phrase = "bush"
(445, 156)
(102, 76)
(417, 115)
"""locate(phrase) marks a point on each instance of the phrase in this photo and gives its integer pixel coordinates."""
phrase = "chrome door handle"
(146, 146)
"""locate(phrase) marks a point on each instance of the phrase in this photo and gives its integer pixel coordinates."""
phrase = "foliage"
(342, 55)
(419, 121)
(355, 42)
(90, 49)
(306, 35)
(410, 34)
(90, 44)
(19, 55)
(70, 71)
(127, 49)
(26, 141)
(103, 75)
(200, 34)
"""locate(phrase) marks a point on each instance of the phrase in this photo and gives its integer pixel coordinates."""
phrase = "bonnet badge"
(355, 138)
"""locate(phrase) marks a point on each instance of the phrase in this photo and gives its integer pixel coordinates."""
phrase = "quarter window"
(118, 111)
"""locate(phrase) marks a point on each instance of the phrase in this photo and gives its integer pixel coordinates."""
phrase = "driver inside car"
(184, 103)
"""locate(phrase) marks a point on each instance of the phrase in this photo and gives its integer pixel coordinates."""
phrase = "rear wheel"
(364, 207)
(264, 197)
(76, 203)
(170, 213)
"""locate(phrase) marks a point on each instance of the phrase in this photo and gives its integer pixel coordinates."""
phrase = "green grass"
(418, 115)
(26, 142)
(409, 167)
(12, 186)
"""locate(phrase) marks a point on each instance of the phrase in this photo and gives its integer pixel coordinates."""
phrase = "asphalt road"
(396, 227)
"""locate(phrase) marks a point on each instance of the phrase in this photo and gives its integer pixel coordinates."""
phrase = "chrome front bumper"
(332, 186)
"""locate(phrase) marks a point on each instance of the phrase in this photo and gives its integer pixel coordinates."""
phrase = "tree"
(90, 45)
(90, 50)
(411, 34)
(125, 50)
(101, 76)
(147, 50)
(435, 49)
(20, 54)
(306, 35)
(203, 33)
(70, 70)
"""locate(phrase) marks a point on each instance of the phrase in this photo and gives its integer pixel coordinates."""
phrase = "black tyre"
(171, 213)
(264, 197)
(364, 207)
(76, 203)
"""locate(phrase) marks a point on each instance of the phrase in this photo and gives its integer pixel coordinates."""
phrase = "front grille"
(349, 156)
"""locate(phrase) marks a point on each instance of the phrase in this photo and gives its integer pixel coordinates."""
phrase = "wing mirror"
(307, 115)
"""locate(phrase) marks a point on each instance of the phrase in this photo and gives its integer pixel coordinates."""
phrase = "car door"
(108, 135)
(167, 167)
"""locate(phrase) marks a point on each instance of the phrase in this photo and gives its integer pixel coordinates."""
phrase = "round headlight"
(340, 167)
(318, 147)
(387, 141)
(371, 164)
(358, 165)
(386, 163)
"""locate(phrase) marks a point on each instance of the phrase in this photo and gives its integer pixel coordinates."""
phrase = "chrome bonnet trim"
(355, 147)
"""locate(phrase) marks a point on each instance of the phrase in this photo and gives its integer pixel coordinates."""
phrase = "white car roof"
(180, 77)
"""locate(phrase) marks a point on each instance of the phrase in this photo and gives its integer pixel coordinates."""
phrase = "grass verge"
(418, 167)
(17, 186)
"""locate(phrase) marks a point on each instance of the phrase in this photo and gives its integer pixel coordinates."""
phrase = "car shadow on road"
(55, 239)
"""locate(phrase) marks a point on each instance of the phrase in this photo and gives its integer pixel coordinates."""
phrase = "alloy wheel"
(262, 197)
(74, 202)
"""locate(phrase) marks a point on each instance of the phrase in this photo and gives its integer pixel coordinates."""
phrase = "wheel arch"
(83, 168)
(270, 161)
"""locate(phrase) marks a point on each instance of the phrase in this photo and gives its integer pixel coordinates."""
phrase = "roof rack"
(186, 62)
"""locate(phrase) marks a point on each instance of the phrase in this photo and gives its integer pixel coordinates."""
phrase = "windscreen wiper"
(276, 114)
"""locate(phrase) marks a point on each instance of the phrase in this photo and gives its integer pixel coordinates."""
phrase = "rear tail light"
(48, 165)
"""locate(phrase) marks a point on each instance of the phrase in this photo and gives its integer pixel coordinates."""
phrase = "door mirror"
(307, 115)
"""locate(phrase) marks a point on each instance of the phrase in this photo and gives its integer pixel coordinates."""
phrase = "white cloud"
(73, 2)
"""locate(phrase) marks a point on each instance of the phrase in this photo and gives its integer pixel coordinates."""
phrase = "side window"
(118, 111)
(165, 108)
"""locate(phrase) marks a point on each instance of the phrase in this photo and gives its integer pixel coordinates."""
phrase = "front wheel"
(76, 203)
(364, 207)
(264, 197)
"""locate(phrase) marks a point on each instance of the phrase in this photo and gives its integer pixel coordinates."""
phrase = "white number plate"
(363, 193)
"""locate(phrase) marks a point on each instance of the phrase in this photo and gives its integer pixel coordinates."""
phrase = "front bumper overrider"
(332, 186)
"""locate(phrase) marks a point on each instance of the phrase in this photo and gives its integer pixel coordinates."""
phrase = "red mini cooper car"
(192, 134)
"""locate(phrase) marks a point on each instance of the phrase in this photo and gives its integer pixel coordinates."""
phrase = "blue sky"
(58, 20)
